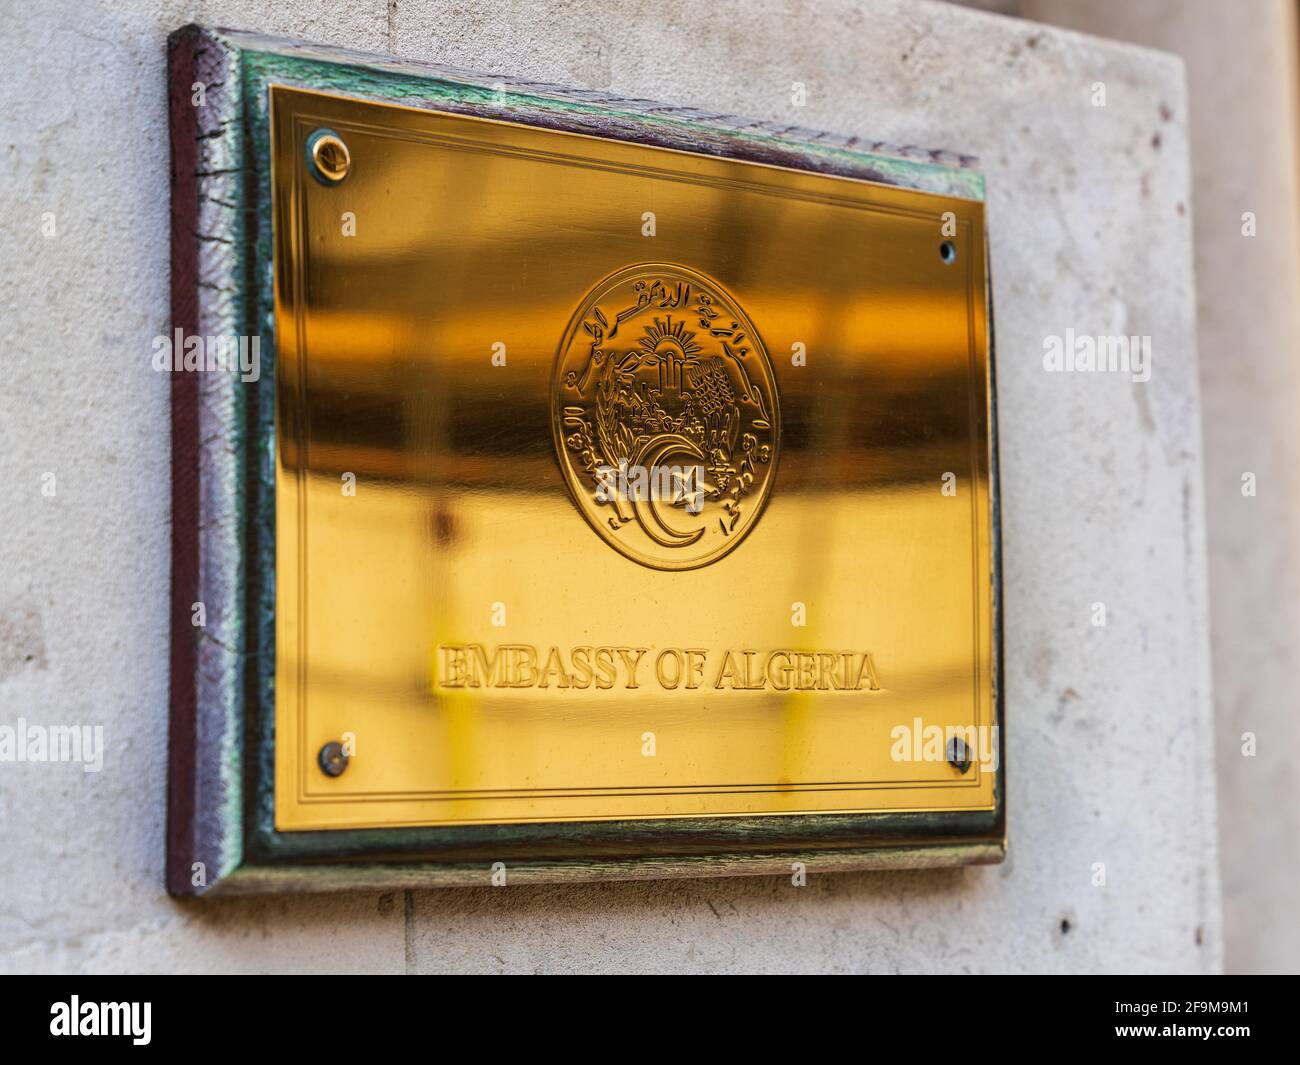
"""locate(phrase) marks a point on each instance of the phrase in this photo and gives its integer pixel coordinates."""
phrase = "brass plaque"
(619, 482)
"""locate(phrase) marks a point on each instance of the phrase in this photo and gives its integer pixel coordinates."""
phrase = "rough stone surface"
(1244, 122)
(1109, 727)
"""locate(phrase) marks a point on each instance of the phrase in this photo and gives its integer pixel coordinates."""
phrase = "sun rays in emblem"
(667, 338)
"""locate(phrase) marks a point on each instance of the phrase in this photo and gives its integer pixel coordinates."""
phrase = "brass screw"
(333, 759)
(328, 157)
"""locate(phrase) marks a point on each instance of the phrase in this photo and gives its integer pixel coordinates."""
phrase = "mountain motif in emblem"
(666, 418)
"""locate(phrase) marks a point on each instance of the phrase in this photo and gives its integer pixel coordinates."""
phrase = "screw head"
(328, 157)
(959, 754)
(333, 759)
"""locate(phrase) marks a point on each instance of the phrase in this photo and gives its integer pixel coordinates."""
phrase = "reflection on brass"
(665, 413)
(769, 403)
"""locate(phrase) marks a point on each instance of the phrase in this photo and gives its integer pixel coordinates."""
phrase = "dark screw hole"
(948, 252)
(959, 754)
(332, 759)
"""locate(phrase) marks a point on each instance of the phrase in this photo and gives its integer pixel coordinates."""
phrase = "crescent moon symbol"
(650, 457)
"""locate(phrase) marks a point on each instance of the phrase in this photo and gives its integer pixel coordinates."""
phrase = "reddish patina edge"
(182, 798)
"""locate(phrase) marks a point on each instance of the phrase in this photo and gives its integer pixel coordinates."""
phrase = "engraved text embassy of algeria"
(519, 665)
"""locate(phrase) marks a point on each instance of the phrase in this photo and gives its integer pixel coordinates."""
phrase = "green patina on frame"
(221, 834)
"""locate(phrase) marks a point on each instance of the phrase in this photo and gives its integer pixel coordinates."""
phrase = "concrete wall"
(1109, 736)
(1243, 101)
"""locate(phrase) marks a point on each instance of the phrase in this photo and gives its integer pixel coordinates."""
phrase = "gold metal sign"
(616, 482)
